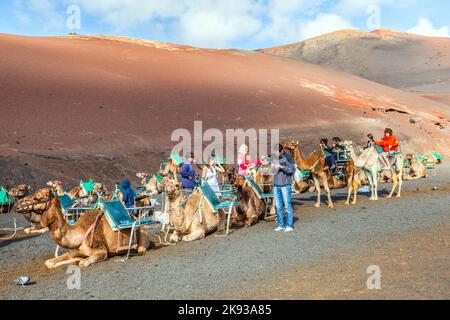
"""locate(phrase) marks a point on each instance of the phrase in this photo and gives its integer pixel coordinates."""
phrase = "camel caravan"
(179, 205)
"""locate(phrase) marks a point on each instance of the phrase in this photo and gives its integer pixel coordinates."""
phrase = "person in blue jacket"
(187, 173)
(128, 195)
(284, 167)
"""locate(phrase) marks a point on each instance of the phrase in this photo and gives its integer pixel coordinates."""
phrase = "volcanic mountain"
(80, 106)
(399, 60)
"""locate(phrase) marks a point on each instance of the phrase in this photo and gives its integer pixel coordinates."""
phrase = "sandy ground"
(326, 257)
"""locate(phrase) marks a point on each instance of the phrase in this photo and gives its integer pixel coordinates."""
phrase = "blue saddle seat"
(214, 201)
(257, 189)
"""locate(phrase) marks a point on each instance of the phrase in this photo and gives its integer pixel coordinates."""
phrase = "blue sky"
(246, 24)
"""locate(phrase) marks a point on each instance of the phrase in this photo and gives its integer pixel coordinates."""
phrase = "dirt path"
(413, 266)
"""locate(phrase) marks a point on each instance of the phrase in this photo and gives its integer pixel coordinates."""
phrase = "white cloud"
(324, 23)
(425, 27)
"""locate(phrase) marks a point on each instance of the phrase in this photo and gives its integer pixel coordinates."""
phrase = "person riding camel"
(330, 158)
(248, 167)
(389, 143)
(370, 141)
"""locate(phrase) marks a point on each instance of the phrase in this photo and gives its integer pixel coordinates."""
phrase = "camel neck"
(298, 158)
(56, 222)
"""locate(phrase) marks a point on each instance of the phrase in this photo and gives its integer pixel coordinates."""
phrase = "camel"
(15, 193)
(77, 193)
(90, 240)
(417, 168)
(170, 168)
(315, 164)
(192, 218)
(150, 185)
(251, 209)
(369, 162)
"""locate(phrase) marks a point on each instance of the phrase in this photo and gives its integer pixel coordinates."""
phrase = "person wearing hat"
(187, 173)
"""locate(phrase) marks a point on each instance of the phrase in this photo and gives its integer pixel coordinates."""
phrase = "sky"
(241, 24)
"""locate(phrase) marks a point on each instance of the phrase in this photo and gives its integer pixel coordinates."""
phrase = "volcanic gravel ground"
(251, 260)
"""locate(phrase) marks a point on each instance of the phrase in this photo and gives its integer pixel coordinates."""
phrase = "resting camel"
(172, 168)
(15, 193)
(251, 209)
(150, 185)
(77, 193)
(90, 240)
(417, 169)
(191, 218)
(315, 164)
(369, 162)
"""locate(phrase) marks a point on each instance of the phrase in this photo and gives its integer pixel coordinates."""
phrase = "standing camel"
(315, 164)
(369, 162)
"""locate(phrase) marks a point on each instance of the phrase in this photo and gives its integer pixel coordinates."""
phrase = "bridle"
(32, 207)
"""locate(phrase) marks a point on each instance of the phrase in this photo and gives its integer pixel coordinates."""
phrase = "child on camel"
(389, 143)
(248, 167)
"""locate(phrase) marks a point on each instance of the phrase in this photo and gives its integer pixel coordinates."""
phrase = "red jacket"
(244, 165)
(389, 144)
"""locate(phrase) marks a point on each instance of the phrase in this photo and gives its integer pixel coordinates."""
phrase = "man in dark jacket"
(187, 173)
(128, 194)
(284, 166)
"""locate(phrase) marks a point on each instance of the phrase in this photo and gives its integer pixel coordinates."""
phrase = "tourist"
(330, 158)
(248, 167)
(187, 173)
(389, 144)
(242, 154)
(284, 167)
(210, 172)
(370, 141)
(128, 194)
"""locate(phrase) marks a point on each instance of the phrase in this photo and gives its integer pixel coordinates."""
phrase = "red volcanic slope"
(96, 95)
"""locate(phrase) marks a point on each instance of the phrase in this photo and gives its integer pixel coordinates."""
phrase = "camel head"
(54, 184)
(19, 192)
(291, 145)
(32, 207)
(410, 157)
(230, 175)
(142, 176)
(171, 187)
(99, 188)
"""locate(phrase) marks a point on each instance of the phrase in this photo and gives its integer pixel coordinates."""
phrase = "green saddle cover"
(88, 186)
(437, 156)
(177, 159)
(4, 198)
(221, 160)
(305, 174)
(158, 177)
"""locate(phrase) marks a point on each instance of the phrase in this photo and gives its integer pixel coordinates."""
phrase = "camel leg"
(66, 259)
(375, 183)
(327, 189)
(98, 255)
(349, 190)
(395, 183)
(143, 240)
(317, 184)
(174, 237)
(196, 235)
(400, 183)
(355, 191)
(33, 230)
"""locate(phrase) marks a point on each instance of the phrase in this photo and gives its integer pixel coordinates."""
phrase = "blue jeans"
(283, 199)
